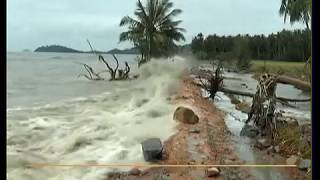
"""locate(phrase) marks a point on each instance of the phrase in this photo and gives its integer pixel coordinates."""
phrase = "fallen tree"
(248, 94)
(262, 113)
(296, 82)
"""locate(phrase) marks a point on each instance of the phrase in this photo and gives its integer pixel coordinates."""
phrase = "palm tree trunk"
(307, 25)
(149, 47)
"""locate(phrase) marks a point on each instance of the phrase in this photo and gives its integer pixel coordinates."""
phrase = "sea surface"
(54, 116)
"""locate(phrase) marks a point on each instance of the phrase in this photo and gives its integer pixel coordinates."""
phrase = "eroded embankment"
(206, 142)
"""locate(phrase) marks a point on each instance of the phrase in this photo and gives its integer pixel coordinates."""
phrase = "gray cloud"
(32, 23)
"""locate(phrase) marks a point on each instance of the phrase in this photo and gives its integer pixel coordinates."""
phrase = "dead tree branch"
(112, 72)
(248, 94)
(92, 75)
(122, 73)
(214, 81)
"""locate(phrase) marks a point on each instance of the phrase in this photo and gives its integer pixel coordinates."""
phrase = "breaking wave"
(102, 128)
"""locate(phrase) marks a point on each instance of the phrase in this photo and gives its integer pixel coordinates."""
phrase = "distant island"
(125, 51)
(63, 49)
(56, 48)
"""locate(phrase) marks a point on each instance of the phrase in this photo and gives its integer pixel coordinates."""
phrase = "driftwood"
(112, 71)
(264, 104)
(92, 75)
(300, 84)
(296, 82)
(248, 94)
(123, 74)
(263, 107)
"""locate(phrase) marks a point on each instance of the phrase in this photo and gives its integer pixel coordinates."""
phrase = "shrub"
(290, 142)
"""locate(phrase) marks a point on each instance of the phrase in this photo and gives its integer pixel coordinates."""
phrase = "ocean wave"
(61, 103)
(104, 128)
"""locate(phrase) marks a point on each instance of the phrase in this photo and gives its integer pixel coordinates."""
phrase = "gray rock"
(304, 164)
(134, 172)
(264, 142)
(213, 172)
(270, 149)
(292, 160)
(152, 149)
(192, 162)
(244, 85)
(197, 131)
(276, 149)
(114, 175)
(185, 115)
(249, 131)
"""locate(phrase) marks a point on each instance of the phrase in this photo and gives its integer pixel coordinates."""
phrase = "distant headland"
(63, 49)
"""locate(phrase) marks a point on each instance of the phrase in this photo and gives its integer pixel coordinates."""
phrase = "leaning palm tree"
(297, 10)
(153, 30)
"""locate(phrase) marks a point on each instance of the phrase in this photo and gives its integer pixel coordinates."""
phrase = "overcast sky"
(32, 23)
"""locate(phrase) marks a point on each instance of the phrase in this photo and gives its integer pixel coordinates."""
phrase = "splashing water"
(106, 127)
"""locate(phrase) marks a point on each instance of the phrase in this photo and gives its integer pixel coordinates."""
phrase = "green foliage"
(201, 55)
(197, 43)
(308, 69)
(293, 45)
(242, 53)
(243, 64)
(295, 69)
(153, 30)
(296, 10)
(290, 142)
(225, 56)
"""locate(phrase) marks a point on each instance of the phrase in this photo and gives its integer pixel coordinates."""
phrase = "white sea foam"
(102, 128)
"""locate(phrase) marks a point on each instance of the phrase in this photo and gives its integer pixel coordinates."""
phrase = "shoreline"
(210, 145)
(207, 142)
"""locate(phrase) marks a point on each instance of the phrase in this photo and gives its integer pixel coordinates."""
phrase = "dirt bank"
(210, 145)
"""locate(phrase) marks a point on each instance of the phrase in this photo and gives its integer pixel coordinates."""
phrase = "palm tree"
(152, 30)
(297, 10)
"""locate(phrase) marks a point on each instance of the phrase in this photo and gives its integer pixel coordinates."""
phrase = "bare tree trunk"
(230, 91)
(248, 94)
(293, 81)
(112, 71)
(264, 105)
(123, 74)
